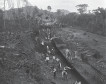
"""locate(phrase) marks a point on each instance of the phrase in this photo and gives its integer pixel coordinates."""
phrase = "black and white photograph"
(52, 41)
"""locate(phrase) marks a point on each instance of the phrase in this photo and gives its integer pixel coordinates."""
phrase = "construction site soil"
(22, 60)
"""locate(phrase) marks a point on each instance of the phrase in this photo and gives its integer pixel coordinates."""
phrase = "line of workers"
(56, 63)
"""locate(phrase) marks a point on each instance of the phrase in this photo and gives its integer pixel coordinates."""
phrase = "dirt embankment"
(94, 41)
(78, 41)
(19, 62)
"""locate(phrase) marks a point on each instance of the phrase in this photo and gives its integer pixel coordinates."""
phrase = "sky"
(63, 4)
(68, 4)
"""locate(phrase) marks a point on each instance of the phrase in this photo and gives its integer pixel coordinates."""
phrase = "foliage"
(82, 8)
(31, 19)
(49, 8)
(93, 22)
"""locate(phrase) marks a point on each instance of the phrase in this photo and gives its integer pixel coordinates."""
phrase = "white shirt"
(42, 43)
(2, 46)
(47, 58)
(75, 54)
(79, 83)
(52, 49)
(48, 49)
(54, 70)
(67, 51)
(66, 68)
(57, 59)
(54, 57)
(60, 64)
(64, 72)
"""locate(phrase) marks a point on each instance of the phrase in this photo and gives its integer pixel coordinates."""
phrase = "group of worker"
(57, 67)
(56, 64)
(69, 56)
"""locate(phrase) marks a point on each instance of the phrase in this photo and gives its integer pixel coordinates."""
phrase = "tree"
(59, 12)
(82, 8)
(35, 12)
(49, 8)
(100, 19)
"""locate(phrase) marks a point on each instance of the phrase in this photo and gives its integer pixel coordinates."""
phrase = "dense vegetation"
(94, 22)
(20, 35)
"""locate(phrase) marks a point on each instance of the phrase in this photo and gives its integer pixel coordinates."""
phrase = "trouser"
(65, 77)
(54, 75)
(47, 62)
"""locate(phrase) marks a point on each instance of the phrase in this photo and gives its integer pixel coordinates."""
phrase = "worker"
(54, 61)
(47, 60)
(42, 43)
(67, 53)
(76, 53)
(59, 66)
(64, 74)
(48, 50)
(77, 82)
(58, 63)
(54, 73)
(54, 57)
(53, 51)
(57, 59)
